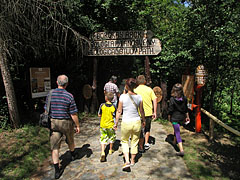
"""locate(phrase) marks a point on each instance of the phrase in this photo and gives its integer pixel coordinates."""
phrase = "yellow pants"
(130, 129)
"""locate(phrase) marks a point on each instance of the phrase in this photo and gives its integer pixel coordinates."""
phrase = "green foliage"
(22, 151)
(3, 113)
(204, 32)
(162, 121)
(206, 160)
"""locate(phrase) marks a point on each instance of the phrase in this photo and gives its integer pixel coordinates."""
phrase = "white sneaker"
(146, 146)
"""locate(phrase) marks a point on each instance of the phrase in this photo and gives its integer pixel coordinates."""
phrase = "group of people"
(137, 106)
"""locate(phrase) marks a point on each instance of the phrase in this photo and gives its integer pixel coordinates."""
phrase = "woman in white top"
(131, 122)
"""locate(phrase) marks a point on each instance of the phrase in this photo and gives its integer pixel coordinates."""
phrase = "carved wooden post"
(198, 123)
(211, 129)
(201, 77)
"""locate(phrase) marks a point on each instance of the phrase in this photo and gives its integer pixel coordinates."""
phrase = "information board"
(40, 82)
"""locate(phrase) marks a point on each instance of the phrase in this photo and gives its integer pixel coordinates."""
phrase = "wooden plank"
(125, 48)
(121, 35)
(220, 122)
(188, 86)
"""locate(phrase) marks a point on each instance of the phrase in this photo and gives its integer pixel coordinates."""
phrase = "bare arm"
(169, 118)
(118, 94)
(187, 117)
(142, 114)
(75, 120)
(119, 112)
(154, 116)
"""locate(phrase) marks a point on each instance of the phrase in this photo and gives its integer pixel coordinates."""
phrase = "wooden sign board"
(188, 86)
(87, 91)
(141, 47)
(158, 92)
(40, 82)
(123, 43)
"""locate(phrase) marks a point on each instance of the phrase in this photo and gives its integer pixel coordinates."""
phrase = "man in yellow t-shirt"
(150, 109)
(108, 135)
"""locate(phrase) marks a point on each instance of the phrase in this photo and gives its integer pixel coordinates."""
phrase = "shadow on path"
(79, 152)
(169, 139)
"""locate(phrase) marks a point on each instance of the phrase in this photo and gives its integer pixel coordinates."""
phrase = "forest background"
(52, 33)
(36, 33)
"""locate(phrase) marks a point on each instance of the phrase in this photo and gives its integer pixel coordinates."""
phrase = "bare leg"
(71, 147)
(180, 146)
(111, 146)
(126, 155)
(147, 135)
(103, 148)
(103, 158)
(141, 140)
(133, 158)
(55, 156)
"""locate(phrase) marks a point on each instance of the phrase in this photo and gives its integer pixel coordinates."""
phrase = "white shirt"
(130, 112)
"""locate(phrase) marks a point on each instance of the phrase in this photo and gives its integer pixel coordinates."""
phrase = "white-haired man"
(63, 112)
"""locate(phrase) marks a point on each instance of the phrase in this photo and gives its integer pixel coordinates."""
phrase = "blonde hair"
(109, 96)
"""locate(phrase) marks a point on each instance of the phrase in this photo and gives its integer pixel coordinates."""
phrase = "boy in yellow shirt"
(108, 135)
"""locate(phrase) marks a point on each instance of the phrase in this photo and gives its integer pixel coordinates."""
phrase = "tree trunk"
(147, 71)
(164, 104)
(94, 87)
(8, 84)
(231, 103)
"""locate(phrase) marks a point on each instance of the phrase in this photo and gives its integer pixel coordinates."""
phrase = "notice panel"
(40, 82)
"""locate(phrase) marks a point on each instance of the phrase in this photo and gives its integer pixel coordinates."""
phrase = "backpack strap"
(49, 101)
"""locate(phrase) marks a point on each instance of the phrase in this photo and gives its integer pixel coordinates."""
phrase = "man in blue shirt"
(63, 112)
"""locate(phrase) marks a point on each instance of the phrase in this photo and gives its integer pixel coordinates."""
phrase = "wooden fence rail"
(211, 126)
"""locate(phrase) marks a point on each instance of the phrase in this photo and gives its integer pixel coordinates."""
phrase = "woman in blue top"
(178, 112)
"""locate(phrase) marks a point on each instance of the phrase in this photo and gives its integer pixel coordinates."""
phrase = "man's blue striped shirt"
(62, 104)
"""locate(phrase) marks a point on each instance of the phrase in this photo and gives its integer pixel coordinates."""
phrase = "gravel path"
(159, 162)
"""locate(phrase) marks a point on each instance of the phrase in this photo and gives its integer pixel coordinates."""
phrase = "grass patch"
(205, 160)
(22, 151)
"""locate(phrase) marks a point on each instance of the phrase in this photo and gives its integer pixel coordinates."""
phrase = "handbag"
(44, 117)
